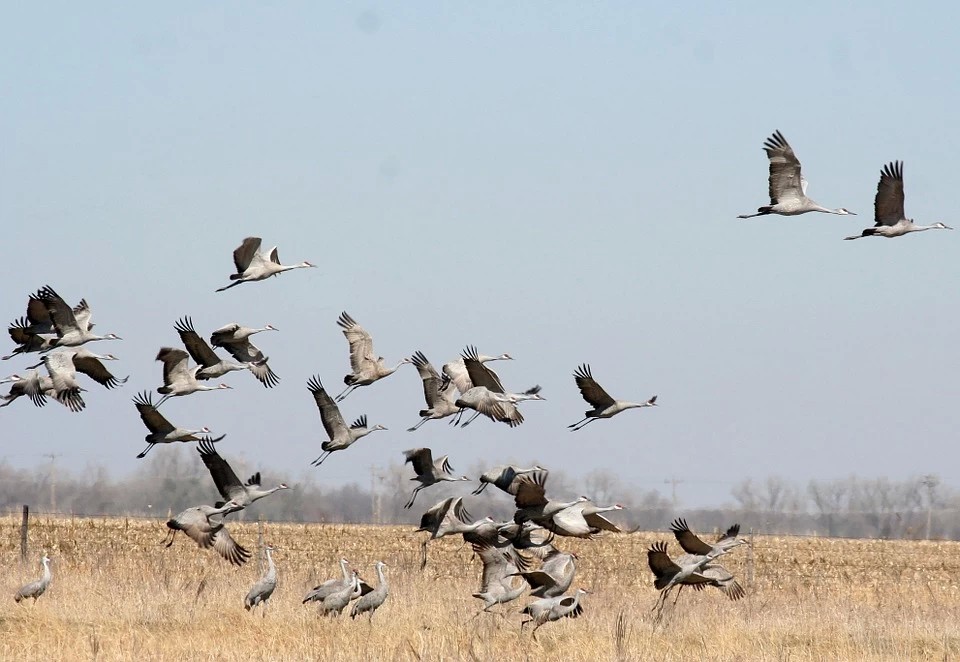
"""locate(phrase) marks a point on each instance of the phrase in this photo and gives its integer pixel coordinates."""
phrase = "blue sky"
(559, 181)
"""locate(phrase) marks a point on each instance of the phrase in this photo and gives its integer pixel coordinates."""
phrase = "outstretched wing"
(228, 485)
(888, 205)
(361, 343)
(660, 563)
(330, 414)
(591, 391)
(244, 253)
(421, 459)
(228, 548)
(531, 489)
(95, 370)
(688, 539)
(480, 374)
(199, 349)
(785, 178)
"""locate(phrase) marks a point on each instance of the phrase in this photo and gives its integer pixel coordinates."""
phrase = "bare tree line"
(917, 507)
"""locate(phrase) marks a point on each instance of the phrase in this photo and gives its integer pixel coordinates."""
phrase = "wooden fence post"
(23, 533)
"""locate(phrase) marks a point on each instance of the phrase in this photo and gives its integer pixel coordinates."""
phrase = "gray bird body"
(321, 591)
(340, 435)
(72, 325)
(890, 219)
(500, 567)
(236, 340)
(336, 601)
(429, 471)
(604, 406)
(440, 393)
(365, 366)
(227, 482)
(554, 577)
(204, 525)
(265, 586)
(546, 610)
(787, 187)
(36, 589)
(252, 265)
(370, 602)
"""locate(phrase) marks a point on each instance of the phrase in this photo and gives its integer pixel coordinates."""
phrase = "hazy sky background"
(556, 180)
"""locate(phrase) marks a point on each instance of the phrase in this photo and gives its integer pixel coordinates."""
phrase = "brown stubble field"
(117, 594)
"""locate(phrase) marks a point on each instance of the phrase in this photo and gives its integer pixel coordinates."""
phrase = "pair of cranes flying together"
(788, 194)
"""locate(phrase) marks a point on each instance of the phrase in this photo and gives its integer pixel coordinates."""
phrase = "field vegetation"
(117, 594)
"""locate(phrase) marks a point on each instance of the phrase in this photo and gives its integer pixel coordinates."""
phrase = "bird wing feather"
(330, 414)
(784, 180)
(888, 204)
(688, 540)
(244, 253)
(591, 391)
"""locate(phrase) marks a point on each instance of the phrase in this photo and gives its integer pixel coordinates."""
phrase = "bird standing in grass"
(36, 589)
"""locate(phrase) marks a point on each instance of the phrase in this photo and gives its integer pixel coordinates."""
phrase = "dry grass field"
(118, 595)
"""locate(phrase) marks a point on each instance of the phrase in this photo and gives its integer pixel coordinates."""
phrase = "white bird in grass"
(429, 471)
(890, 219)
(546, 610)
(603, 405)
(36, 589)
(365, 367)
(178, 377)
(319, 592)
(788, 188)
(263, 589)
(252, 265)
(372, 600)
(341, 436)
(198, 524)
(161, 430)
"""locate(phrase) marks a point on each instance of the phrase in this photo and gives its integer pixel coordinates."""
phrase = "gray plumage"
(321, 591)
(265, 586)
(487, 396)
(500, 567)
(236, 340)
(504, 477)
(179, 378)
(36, 589)
(38, 388)
(582, 520)
(340, 436)
(554, 577)
(440, 393)
(787, 187)
(204, 525)
(371, 601)
(229, 486)
(365, 366)
(429, 471)
(72, 325)
(890, 219)
(693, 544)
(546, 610)
(335, 602)
(604, 406)
(532, 503)
(252, 265)
(161, 430)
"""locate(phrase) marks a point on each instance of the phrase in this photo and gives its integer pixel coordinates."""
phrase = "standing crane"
(263, 589)
(73, 328)
(161, 430)
(321, 591)
(36, 589)
(365, 367)
(370, 601)
(429, 472)
(439, 393)
(603, 405)
(334, 604)
(341, 436)
(788, 188)
(252, 265)
(890, 219)
(546, 610)
(236, 340)
(228, 485)
(178, 378)
(197, 524)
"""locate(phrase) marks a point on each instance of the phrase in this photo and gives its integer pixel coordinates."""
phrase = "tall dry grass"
(117, 594)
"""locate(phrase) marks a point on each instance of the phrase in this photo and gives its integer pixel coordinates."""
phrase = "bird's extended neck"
(381, 576)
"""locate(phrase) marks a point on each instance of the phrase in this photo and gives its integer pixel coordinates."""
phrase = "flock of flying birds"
(516, 554)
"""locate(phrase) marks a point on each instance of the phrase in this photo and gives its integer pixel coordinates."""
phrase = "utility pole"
(930, 481)
(673, 481)
(53, 479)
